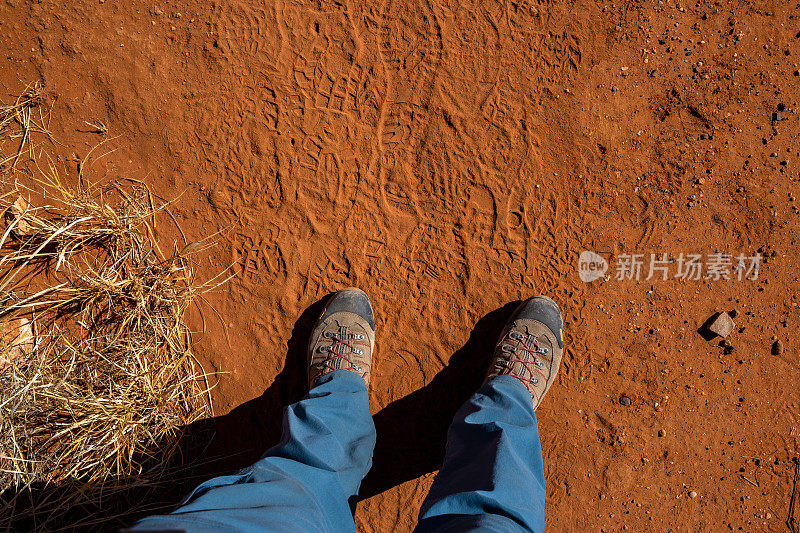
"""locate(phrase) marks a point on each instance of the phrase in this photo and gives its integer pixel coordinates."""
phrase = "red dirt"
(449, 159)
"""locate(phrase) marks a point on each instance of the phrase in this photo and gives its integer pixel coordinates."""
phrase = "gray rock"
(722, 325)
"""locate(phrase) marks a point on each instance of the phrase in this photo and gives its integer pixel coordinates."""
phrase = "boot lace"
(343, 351)
(524, 349)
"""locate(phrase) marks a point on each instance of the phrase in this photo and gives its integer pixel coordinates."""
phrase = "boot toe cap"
(351, 300)
(546, 311)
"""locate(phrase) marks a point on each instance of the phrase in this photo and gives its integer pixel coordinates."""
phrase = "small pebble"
(777, 348)
(729, 349)
(624, 400)
(693, 494)
(661, 432)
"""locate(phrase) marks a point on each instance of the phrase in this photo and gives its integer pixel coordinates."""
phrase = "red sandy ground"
(451, 158)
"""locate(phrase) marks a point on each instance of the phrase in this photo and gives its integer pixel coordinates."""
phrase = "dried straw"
(19, 121)
(97, 375)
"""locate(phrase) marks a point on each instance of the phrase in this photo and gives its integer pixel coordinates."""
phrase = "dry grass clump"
(97, 376)
(21, 120)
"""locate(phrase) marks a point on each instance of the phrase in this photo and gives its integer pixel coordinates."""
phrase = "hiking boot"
(343, 338)
(531, 346)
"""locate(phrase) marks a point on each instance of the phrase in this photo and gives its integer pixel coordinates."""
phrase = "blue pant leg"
(305, 483)
(492, 478)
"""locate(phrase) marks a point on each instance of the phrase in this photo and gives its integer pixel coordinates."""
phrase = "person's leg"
(492, 478)
(309, 481)
(305, 483)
